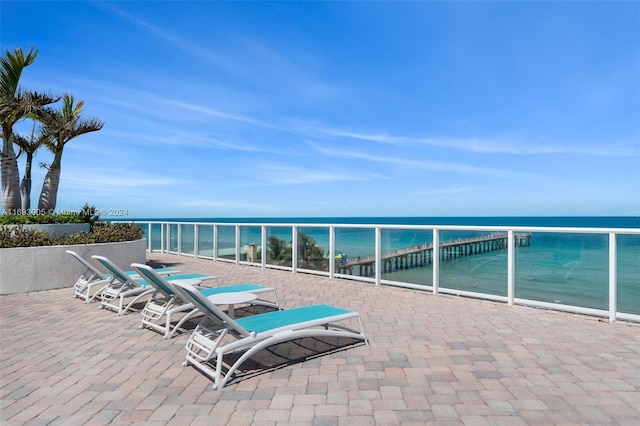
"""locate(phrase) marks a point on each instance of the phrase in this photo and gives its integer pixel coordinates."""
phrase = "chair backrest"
(209, 309)
(117, 273)
(90, 267)
(154, 279)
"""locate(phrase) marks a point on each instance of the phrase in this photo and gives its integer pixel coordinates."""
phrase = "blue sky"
(308, 109)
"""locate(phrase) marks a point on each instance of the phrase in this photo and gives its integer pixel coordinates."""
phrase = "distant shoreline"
(542, 221)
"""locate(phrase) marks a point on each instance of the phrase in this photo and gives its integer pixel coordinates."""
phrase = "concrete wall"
(28, 269)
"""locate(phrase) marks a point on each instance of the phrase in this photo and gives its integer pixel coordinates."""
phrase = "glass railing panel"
(156, 236)
(145, 231)
(173, 237)
(187, 236)
(628, 249)
(355, 251)
(313, 248)
(279, 245)
(474, 261)
(205, 240)
(407, 255)
(251, 244)
(565, 268)
(226, 242)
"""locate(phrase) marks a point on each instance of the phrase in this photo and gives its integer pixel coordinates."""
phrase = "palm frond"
(11, 67)
(65, 124)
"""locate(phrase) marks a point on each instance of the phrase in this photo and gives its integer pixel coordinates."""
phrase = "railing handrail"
(518, 228)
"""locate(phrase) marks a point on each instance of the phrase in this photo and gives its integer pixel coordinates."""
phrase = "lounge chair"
(93, 278)
(256, 332)
(165, 302)
(122, 287)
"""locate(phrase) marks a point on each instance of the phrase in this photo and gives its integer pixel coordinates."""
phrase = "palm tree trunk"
(25, 193)
(25, 185)
(10, 183)
(49, 194)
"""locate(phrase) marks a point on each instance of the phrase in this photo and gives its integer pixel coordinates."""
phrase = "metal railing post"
(511, 270)
(196, 245)
(162, 237)
(294, 249)
(613, 277)
(149, 246)
(263, 242)
(179, 239)
(436, 260)
(214, 242)
(332, 251)
(237, 244)
(378, 255)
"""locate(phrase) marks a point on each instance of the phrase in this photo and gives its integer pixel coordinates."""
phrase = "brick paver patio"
(431, 360)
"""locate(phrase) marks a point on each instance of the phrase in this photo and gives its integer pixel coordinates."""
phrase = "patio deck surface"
(431, 360)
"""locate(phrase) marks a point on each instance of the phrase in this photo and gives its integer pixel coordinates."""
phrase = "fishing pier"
(422, 254)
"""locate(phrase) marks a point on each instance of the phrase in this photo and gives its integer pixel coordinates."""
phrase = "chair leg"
(167, 326)
(135, 299)
(184, 319)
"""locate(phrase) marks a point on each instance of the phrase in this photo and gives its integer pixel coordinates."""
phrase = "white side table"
(189, 281)
(232, 298)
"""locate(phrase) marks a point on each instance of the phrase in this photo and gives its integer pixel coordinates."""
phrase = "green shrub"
(27, 219)
(88, 214)
(101, 233)
(19, 237)
(115, 232)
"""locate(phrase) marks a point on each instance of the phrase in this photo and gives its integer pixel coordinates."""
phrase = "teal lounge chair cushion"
(272, 320)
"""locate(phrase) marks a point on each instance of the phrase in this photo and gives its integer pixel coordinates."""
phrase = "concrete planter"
(28, 269)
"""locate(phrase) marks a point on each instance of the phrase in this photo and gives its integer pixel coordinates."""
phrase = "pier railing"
(591, 271)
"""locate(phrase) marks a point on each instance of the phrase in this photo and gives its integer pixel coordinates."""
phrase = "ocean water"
(555, 221)
(564, 268)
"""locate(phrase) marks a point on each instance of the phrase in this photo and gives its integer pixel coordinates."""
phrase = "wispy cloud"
(148, 104)
(452, 190)
(210, 112)
(222, 204)
(289, 175)
(445, 166)
(493, 146)
(278, 71)
(283, 74)
(182, 139)
(170, 37)
(113, 181)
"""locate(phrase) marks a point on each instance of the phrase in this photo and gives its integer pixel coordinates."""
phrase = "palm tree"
(29, 148)
(310, 254)
(279, 251)
(61, 126)
(15, 104)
